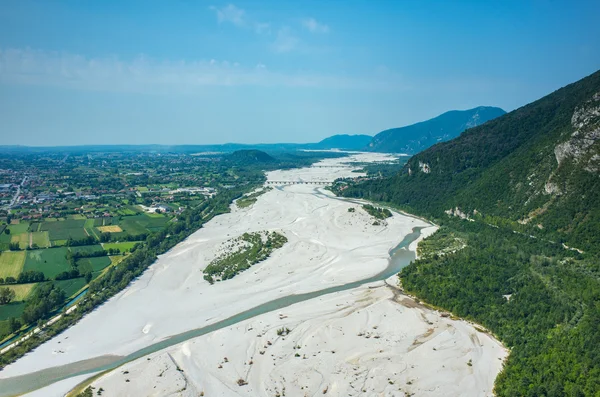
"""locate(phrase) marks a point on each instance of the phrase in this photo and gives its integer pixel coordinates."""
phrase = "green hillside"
(525, 264)
(250, 156)
(509, 168)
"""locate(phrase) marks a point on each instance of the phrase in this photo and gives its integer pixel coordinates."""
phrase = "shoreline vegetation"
(248, 199)
(377, 212)
(242, 253)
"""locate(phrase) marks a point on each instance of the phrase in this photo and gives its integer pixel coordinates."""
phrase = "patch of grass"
(110, 229)
(21, 238)
(13, 309)
(143, 223)
(86, 248)
(116, 259)
(11, 263)
(22, 291)
(62, 230)
(18, 228)
(41, 239)
(123, 247)
(248, 200)
(244, 251)
(76, 216)
(50, 261)
(92, 265)
(72, 286)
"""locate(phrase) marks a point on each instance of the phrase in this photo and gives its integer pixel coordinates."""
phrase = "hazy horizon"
(202, 73)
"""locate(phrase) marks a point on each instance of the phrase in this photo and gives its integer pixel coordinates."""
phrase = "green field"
(89, 228)
(92, 265)
(13, 309)
(22, 291)
(41, 239)
(50, 261)
(143, 223)
(123, 247)
(71, 286)
(76, 216)
(62, 230)
(11, 263)
(127, 210)
(21, 238)
(86, 248)
(19, 228)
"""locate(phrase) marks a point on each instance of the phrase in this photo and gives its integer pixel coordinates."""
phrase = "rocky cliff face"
(581, 146)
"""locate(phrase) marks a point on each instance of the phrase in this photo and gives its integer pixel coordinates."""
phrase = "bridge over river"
(281, 183)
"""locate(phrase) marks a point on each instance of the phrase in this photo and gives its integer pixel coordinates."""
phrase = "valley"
(325, 285)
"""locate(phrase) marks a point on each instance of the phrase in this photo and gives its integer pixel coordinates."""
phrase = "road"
(16, 196)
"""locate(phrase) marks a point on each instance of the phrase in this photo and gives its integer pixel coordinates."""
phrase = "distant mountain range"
(409, 139)
(340, 142)
(417, 137)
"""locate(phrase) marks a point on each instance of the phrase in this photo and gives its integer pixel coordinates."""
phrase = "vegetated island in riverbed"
(376, 212)
(249, 199)
(245, 251)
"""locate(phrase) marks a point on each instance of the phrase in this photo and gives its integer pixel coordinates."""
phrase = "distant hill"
(344, 142)
(250, 156)
(417, 137)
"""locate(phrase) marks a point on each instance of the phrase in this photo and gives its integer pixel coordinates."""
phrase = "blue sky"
(193, 72)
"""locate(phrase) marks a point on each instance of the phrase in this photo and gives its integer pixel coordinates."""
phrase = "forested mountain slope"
(538, 165)
(417, 137)
(518, 249)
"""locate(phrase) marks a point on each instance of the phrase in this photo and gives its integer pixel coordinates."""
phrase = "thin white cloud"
(143, 74)
(262, 28)
(231, 14)
(285, 41)
(313, 26)
(238, 17)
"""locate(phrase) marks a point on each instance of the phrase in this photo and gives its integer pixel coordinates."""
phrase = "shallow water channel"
(400, 257)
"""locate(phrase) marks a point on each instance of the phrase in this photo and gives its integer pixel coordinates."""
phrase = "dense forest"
(518, 201)
(541, 300)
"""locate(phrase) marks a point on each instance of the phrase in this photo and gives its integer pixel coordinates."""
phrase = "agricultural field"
(110, 229)
(93, 265)
(141, 224)
(50, 261)
(22, 291)
(11, 263)
(13, 309)
(85, 249)
(72, 286)
(41, 239)
(123, 247)
(94, 199)
(63, 230)
(22, 239)
(21, 227)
